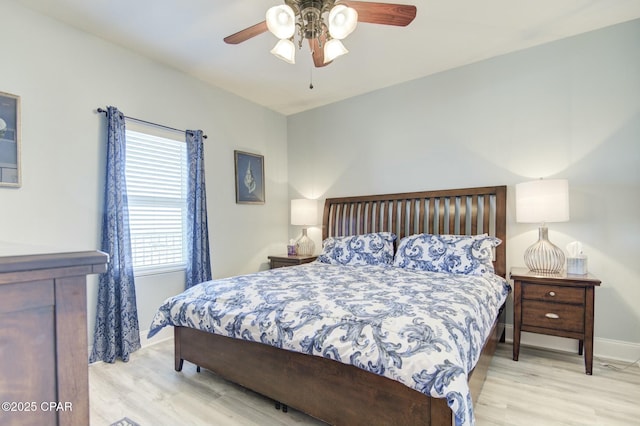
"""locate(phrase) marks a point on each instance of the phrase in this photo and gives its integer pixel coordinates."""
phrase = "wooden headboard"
(467, 211)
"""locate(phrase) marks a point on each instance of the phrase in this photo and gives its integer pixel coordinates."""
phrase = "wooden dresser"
(44, 377)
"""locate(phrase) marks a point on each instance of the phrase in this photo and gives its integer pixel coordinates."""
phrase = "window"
(156, 172)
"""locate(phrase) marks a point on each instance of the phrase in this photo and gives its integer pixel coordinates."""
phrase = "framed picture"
(249, 178)
(9, 140)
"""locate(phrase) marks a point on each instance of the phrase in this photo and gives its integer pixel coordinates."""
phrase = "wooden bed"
(338, 393)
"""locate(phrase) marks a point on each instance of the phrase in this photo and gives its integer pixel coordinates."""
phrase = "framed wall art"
(9, 140)
(249, 178)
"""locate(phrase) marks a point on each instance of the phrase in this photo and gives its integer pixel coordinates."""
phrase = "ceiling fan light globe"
(285, 50)
(281, 21)
(342, 21)
(333, 49)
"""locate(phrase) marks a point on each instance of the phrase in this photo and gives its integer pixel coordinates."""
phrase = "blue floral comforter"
(423, 329)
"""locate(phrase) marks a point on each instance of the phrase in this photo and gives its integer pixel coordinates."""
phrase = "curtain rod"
(104, 111)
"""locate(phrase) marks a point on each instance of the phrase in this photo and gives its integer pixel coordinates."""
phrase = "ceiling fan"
(324, 23)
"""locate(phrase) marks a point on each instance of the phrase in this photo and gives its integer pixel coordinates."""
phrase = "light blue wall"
(62, 75)
(569, 109)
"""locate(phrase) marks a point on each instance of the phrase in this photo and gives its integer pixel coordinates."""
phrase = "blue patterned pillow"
(456, 254)
(366, 249)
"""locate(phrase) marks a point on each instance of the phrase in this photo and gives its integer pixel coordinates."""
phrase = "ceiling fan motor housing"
(311, 14)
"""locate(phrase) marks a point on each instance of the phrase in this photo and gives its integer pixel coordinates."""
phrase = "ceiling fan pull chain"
(310, 78)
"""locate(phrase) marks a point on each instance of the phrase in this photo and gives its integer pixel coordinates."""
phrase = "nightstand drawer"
(557, 316)
(552, 293)
(284, 261)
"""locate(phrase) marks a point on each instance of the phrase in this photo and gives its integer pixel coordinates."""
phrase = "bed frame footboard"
(328, 390)
(336, 393)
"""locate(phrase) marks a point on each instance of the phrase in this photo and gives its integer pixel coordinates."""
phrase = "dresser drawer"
(553, 293)
(557, 316)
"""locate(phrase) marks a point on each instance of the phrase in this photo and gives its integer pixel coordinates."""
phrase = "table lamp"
(304, 212)
(543, 201)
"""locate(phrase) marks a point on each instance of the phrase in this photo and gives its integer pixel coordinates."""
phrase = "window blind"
(156, 172)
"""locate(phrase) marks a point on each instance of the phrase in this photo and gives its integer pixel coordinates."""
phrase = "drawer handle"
(552, 293)
(552, 316)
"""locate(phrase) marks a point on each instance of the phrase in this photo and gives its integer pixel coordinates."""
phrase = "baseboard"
(602, 348)
(165, 334)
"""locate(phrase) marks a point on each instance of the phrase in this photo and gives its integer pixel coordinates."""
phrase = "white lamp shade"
(332, 49)
(342, 21)
(542, 201)
(285, 50)
(304, 212)
(281, 21)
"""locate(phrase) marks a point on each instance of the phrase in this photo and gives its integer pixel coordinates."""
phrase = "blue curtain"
(198, 261)
(117, 333)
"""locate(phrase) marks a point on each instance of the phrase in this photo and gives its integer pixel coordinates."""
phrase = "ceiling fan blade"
(317, 52)
(247, 33)
(399, 15)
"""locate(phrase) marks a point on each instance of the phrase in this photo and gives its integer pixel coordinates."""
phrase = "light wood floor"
(543, 388)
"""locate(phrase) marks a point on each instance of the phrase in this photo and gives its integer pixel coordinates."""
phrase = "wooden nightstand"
(554, 304)
(282, 261)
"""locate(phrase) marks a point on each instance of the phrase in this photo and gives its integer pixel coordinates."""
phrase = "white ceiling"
(187, 35)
